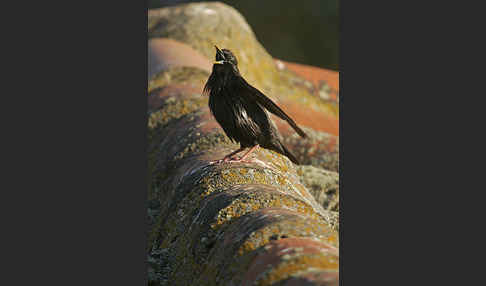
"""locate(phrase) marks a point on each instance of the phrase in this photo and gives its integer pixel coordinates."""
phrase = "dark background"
(304, 32)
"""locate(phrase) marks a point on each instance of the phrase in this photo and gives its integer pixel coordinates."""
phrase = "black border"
(76, 208)
(395, 69)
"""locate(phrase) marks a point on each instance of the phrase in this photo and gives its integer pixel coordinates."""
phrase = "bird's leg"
(242, 159)
(227, 157)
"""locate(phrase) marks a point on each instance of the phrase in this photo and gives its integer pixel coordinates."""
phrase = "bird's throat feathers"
(220, 77)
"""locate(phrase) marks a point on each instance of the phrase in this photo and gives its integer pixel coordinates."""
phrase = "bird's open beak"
(220, 53)
(218, 50)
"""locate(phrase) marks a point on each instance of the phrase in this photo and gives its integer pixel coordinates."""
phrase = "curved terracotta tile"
(309, 117)
(276, 252)
(157, 97)
(164, 53)
(314, 74)
(313, 278)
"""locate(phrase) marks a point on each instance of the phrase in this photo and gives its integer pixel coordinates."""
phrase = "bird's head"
(225, 59)
(225, 68)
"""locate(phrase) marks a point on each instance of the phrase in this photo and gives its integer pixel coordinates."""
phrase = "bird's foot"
(215, 162)
(227, 159)
(240, 160)
(232, 160)
(224, 160)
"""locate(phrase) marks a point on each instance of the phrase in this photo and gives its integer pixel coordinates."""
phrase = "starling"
(240, 110)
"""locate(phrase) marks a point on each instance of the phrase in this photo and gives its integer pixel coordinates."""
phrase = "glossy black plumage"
(239, 108)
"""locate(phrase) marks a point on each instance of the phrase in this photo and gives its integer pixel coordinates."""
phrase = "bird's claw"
(226, 159)
(230, 160)
(240, 160)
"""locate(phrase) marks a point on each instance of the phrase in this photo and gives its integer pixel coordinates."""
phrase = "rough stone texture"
(323, 185)
(289, 257)
(320, 149)
(210, 221)
(231, 223)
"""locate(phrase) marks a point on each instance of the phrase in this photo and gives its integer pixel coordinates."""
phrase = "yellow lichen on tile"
(295, 263)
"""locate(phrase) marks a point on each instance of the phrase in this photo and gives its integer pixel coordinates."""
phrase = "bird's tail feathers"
(289, 155)
(297, 128)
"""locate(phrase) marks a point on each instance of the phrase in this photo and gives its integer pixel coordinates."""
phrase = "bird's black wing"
(268, 104)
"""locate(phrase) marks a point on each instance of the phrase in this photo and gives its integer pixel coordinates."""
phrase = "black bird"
(240, 110)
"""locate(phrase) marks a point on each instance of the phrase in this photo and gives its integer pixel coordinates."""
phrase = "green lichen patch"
(196, 143)
(216, 179)
(247, 234)
(311, 276)
(252, 201)
(174, 109)
(178, 75)
(232, 174)
(295, 263)
(322, 184)
(289, 226)
(321, 149)
(333, 219)
(193, 227)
